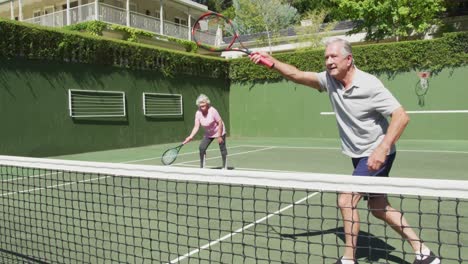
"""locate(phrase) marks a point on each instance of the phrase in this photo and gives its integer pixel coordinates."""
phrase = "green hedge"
(36, 42)
(449, 51)
(93, 27)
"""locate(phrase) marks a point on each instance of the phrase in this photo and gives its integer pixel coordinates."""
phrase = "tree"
(305, 6)
(218, 5)
(254, 16)
(391, 18)
(314, 28)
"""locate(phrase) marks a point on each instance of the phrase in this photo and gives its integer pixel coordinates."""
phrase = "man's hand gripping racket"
(214, 32)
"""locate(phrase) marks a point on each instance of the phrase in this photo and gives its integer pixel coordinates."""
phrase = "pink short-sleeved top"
(210, 122)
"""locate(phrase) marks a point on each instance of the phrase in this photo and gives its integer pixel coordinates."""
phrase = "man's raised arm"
(289, 71)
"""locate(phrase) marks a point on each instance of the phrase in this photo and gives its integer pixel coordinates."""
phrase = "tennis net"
(58, 211)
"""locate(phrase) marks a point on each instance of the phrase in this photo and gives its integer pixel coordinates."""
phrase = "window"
(119, 4)
(123, 4)
(180, 21)
(72, 5)
(133, 7)
(37, 13)
(49, 10)
(36, 16)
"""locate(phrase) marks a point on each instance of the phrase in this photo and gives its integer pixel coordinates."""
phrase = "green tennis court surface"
(92, 216)
(415, 159)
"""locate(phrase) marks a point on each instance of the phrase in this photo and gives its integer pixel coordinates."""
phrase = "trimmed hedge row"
(449, 51)
(36, 42)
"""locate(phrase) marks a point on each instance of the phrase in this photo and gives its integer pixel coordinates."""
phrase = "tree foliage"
(270, 16)
(218, 5)
(393, 18)
(314, 29)
(305, 6)
(254, 16)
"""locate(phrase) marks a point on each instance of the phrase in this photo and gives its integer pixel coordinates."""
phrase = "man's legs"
(380, 208)
(379, 205)
(347, 202)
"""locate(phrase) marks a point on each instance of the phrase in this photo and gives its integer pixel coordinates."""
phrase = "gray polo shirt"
(361, 111)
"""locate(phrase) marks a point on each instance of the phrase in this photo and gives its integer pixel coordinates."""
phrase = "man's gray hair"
(202, 99)
(345, 44)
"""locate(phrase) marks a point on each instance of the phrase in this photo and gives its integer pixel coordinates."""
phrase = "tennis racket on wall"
(170, 155)
(215, 32)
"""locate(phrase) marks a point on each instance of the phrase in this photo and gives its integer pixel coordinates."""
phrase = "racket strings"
(169, 156)
(215, 31)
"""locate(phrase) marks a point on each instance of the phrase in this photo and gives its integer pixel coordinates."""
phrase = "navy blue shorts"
(361, 169)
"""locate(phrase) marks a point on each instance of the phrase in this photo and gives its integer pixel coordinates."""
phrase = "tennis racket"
(170, 155)
(215, 32)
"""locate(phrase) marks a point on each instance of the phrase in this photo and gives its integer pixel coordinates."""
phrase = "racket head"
(170, 155)
(217, 33)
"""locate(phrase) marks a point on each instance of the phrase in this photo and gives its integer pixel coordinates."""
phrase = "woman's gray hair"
(346, 50)
(202, 99)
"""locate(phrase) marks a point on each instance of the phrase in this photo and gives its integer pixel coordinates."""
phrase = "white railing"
(148, 23)
(113, 15)
(82, 13)
(56, 19)
(176, 30)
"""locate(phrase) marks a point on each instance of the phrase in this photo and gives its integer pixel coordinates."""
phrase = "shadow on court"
(6, 256)
(219, 168)
(370, 248)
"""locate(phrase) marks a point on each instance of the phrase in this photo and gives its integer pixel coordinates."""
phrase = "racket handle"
(264, 61)
(267, 63)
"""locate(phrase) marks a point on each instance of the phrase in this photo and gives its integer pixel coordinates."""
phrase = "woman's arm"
(195, 129)
(220, 131)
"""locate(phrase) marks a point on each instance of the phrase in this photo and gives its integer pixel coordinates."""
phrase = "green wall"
(35, 119)
(286, 109)
(36, 122)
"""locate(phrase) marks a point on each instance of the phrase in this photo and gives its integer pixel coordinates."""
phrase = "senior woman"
(208, 117)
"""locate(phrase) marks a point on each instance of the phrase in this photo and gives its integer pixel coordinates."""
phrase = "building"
(171, 18)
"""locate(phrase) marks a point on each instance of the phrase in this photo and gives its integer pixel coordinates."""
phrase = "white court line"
(240, 230)
(183, 154)
(420, 112)
(330, 148)
(51, 186)
(21, 178)
(291, 147)
(433, 151)
(249, 169)
(235, 154)
(131, 161)
(205, 246)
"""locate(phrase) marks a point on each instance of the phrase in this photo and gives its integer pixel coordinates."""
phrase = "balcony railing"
(113, 15)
